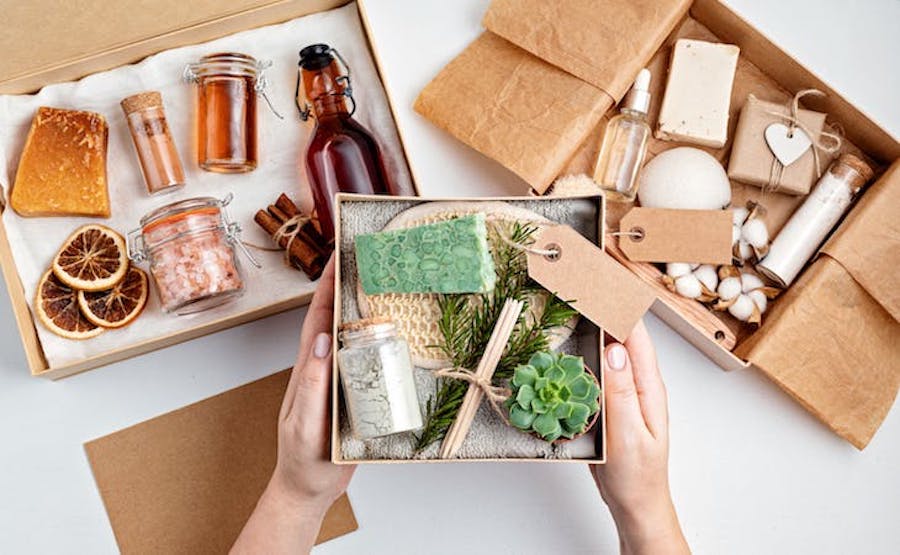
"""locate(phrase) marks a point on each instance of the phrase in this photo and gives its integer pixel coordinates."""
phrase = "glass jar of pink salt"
(190, 246)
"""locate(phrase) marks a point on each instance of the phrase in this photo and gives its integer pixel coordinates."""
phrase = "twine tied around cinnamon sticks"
(295, 233)
(815, 141)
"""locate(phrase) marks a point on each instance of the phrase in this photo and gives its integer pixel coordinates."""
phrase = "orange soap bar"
(62, 171)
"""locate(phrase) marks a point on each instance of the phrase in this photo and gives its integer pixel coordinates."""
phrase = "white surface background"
(751, 471)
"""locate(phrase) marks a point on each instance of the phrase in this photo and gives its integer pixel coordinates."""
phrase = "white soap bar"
(698, 93)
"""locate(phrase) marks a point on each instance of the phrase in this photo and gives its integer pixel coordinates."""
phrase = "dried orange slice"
(93, 258)
(118, 306)
(57, 308)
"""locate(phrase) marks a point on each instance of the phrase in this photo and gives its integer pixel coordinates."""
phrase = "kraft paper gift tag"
(589, 280)
(531, 106)
(186, 481)
(751, 158)
(832, 340)
(664, 235)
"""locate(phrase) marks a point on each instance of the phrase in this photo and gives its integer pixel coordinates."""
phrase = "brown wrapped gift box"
(532, 88)
(751, 160)
(766, 72)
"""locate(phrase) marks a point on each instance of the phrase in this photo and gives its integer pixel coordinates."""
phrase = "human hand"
(304, 471)
(635, 481)
(305, 482)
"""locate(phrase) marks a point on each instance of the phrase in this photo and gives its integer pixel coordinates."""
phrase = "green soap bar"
(445, 257)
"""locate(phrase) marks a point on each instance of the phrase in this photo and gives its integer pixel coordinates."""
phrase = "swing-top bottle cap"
(315, 56)
(638, 98)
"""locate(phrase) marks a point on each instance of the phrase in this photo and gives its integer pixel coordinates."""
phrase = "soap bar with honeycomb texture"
(62, 171)
(444, 257)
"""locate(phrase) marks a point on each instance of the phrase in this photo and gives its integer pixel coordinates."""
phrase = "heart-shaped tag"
(787, 149)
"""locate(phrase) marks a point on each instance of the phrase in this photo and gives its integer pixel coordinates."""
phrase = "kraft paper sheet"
(186, 481)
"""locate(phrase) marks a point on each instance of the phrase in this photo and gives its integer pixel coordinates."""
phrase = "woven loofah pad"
(417, 315)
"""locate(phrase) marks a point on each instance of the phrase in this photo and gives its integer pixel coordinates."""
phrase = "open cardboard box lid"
(79, 38)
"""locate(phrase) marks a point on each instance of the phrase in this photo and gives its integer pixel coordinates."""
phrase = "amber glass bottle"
(342, 156)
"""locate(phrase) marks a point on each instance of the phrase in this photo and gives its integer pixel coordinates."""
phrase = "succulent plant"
(553, 396)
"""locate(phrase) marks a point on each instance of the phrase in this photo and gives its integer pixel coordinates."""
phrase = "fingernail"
(322, 345)
(617, 357)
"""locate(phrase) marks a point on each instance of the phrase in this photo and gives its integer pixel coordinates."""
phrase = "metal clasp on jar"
(246, 65)
(137, 247)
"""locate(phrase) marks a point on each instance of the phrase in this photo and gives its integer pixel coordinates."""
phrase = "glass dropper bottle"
(625, 143)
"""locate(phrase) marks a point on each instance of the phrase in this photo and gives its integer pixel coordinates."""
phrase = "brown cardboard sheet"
(868, 242)
(186, 481)
(833, 348)
(603, 43)
(79, 38)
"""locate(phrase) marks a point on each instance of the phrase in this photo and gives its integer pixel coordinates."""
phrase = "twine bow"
(495, 394)
(793, 119)
(288, 230)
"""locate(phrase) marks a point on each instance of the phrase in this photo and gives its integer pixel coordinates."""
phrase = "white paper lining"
(34, 241)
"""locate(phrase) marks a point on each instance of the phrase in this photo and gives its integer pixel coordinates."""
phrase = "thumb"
(623, 410)
(312, 380)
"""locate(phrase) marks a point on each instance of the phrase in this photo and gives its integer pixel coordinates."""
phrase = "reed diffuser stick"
(484, 372)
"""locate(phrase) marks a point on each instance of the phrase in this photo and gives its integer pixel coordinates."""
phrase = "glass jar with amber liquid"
(227, 84)
(342, 155)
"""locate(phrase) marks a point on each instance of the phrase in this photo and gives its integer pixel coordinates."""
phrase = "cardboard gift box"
(360, 213)
(543, 97)
(114, 35)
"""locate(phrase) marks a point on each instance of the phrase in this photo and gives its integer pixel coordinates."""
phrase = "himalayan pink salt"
(191, 254)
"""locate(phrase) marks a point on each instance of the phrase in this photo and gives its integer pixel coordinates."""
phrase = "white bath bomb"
(684, 178)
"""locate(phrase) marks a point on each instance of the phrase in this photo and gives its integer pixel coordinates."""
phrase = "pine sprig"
(466, 324)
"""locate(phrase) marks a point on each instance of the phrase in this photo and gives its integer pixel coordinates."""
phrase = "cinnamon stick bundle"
(307, 251)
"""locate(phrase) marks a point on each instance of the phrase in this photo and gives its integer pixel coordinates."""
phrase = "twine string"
(776, 172)
(631, 233)
(528, 248)
(495, 394)
(289, 230)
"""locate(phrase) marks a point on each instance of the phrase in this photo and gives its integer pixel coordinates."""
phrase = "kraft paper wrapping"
(751, 159)
(513, 107)
(603, 43)
(868, 242)
(833, 340)
(530, 107)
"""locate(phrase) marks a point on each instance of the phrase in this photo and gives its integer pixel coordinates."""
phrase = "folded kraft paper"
(528, 99)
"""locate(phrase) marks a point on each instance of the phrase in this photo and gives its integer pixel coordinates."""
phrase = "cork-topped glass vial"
(153, 142)
(811, 223)
(377, 379)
